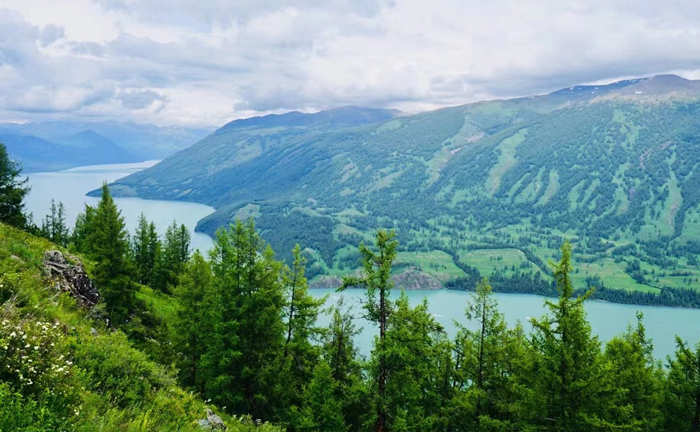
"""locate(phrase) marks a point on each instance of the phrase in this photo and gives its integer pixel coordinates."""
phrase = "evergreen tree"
(54, 227)
(482, 375)
(246, 316)
(109, 249)
(84, 226)
(411, 356)
(682, 404)
(342, 356)
(191, 325)
(323, 411)
(300, 354)
(146, 250)
(377, 282)
(635, 380)
(173, 257)
(13, 190)
(568, 366)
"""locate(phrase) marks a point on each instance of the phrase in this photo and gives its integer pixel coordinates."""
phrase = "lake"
(70, 187)
(607, 319)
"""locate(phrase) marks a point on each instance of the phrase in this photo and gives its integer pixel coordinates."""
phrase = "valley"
(487, 189)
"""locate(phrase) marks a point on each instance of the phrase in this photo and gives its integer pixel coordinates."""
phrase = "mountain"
(49, 146)
(485, 189)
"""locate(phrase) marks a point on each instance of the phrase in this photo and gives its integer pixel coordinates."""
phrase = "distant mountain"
(486, 189)
(59, 145)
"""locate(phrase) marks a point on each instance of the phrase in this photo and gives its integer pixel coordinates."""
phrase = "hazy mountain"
(615, 168)
(59, 145)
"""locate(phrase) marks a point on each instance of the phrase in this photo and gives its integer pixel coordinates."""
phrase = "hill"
(64, 369)
(486, 189)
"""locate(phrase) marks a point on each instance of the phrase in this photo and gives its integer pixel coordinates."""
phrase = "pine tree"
(173, 257)
(635, 380)
(191, 325)
(53, 227)
(13, 190)
(377, 281)
(246, 315)
(682, 404)
(84, 226)
(323, 411)
(295, 366)
(146, 249)
(342, 356)
(109, 242)
(568, 366)
(483, 370)
(412, 355)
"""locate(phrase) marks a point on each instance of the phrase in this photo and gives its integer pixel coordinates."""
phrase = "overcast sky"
(206, 62)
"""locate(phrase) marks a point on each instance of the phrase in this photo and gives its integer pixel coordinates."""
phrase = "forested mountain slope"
(483, 189)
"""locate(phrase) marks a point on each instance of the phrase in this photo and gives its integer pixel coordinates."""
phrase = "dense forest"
(235, 332)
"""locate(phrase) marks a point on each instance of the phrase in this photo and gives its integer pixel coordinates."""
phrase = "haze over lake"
(607, 319)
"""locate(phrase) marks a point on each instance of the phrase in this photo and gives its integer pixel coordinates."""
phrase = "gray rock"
(70, 278)
(215, 422)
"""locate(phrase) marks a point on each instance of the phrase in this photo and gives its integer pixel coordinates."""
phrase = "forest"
(236, 332)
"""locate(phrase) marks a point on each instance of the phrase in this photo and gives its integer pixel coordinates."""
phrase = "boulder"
(70, 277)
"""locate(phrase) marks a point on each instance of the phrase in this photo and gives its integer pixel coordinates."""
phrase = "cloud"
(189, 62)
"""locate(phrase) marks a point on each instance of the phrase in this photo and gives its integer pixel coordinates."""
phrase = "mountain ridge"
(603, 166)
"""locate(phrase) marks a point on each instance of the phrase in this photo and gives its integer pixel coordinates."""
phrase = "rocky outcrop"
(212, 422)
(410, 279)
(70, 277)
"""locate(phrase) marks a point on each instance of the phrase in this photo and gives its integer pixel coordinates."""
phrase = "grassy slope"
(118, 387)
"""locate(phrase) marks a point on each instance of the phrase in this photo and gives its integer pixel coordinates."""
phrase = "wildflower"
(13, 334)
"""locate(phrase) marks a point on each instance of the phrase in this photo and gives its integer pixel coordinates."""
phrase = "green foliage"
(12, 191)
(682, 404)
(54, 227)
(245, 313)
(110, 250)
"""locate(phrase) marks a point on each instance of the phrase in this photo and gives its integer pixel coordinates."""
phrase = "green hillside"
(492, 188)
(64, 369)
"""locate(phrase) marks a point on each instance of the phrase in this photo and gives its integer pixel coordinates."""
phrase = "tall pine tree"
(378, 283)
(13, 190)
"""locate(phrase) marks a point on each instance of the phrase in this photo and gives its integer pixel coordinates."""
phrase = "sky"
(206, 62)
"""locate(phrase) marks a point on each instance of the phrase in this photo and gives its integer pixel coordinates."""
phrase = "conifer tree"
(174, 255)
(191, 325)
(300, 354)
(246, 313)
(412, 356)
(53, 227)
(109, 242)
(682, 404)
(636, 393)
(323, 412)
(13, 190)
(342, 356)
(377, 282)
(483, 370)
(84, 226)
(568, 366)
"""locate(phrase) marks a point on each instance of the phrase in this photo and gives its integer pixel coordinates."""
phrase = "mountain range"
(50, 146)
(484, 189)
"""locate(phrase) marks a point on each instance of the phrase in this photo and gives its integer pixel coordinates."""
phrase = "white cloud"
(193, 62)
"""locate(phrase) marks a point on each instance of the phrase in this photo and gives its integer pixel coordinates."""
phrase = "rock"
(326, 282)
(93, 332)
(215, 422)
(416, 280)
(204, 424)
(70, 278)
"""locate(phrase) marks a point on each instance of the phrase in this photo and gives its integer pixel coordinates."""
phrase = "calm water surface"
(607, 319)
(70, 187)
